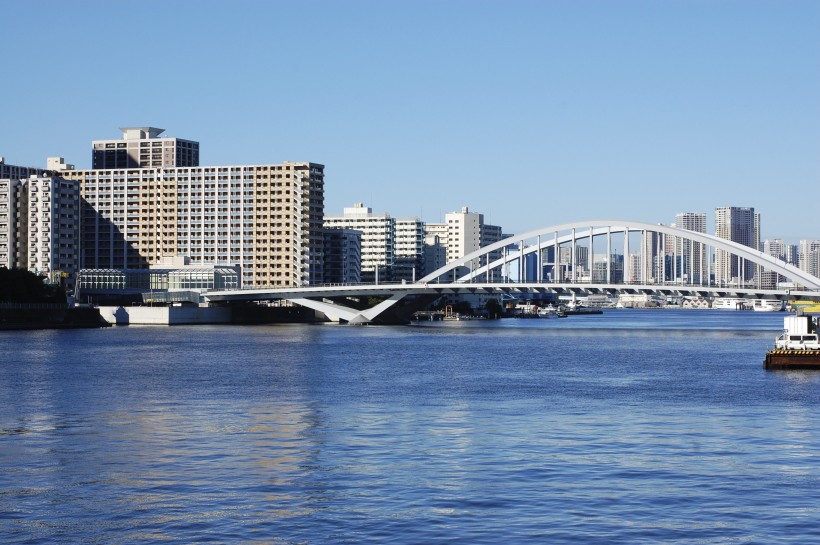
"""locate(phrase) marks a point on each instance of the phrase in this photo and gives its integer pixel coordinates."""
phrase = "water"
(627, 427)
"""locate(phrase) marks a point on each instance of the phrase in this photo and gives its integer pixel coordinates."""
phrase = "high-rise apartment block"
(378, 235)
(690, 261)
(142, 147)
(809, 256)
(741, 225)
(267, 219)
(342, 256)
(462, 233)
(14, 172)
(779, 250)
(39, 225)
(408, 260)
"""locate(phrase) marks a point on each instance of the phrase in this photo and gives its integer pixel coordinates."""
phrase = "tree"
(22, 286)
(494, 309)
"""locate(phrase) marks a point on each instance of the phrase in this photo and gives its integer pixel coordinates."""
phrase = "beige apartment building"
(266, 219)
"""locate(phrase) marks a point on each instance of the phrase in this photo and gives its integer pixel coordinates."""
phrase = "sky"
(533, 113)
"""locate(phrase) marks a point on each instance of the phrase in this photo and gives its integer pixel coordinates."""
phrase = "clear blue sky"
(531, 112)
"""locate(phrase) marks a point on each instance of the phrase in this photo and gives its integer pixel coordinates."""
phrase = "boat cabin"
(800, 333)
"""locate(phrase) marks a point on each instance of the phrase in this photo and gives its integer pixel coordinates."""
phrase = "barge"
(798, 347)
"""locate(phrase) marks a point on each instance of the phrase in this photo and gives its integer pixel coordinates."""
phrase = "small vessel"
(798, 347)
(731, 303)
(551, 312)
(768, 305)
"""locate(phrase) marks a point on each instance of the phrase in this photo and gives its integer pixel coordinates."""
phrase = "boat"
(731, 303)
(768, 305)
(798, 347)
(551, 312)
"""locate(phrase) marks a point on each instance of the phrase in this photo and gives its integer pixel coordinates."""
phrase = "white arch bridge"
(580, 258)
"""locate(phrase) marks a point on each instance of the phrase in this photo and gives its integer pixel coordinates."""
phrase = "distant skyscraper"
(809, 256)
(777, 249)
(741, 225)
(690, 257)
(141, 147)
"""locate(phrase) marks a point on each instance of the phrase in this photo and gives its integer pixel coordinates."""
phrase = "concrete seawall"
(165, 315)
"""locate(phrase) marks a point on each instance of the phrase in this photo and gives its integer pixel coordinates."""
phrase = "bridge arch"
(607, 227)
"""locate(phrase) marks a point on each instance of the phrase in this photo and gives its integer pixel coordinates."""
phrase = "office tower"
(342, 256)
(689, 257)
(777, 249)
(39, 226)
(652, 255)
(267, 219)
(741, 225)
(378, 232)
(141, 147)
(565, 264)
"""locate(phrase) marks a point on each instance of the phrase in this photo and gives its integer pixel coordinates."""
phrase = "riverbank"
(21, 316)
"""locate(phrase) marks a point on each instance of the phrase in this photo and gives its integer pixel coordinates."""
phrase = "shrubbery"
(22, 286)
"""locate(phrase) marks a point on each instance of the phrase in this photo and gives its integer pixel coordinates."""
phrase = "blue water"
(649, 426)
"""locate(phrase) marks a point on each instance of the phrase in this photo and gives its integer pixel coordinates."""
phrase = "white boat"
(550, 312)
(768, 305)
(800, 333)
(731, 303)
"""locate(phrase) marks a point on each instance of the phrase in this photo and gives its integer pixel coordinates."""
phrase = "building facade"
(342, 256)
(266, 219)
(809, 256)
(741, 225)
(408, 260)
(378, 239)
(142, 147)
(39, 226)
(689, 257)
(462, 233)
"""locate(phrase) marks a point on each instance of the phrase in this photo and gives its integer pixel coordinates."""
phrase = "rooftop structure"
(142, 147)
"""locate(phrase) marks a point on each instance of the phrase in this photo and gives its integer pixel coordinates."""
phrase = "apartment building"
(53, 227)
(408, 260)
(14, 172)
(142, 147)
(266, 219)
(378, 239)
(689, 257)
(13, 223)
(39, 225)
(462, 233)
(809, 256)
(342, 256)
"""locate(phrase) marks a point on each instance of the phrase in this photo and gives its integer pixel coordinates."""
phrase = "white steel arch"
(601, 227)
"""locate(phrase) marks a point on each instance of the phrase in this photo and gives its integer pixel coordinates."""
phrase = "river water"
(635, 426)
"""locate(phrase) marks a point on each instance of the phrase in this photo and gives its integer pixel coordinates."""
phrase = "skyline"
(517, 111)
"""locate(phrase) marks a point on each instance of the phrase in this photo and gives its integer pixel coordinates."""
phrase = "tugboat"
(798, 347)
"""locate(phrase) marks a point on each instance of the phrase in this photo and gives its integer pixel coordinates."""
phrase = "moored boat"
(798, 347)
(768, 305)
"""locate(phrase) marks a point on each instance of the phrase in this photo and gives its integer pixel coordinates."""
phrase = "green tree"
(494, 309)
